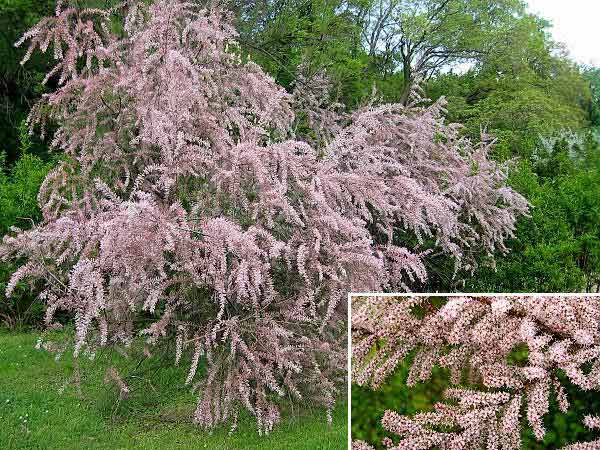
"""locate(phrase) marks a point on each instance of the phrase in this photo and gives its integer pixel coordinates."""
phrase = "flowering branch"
(474, 338)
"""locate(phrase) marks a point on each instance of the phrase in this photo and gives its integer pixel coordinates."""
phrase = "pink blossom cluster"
(186, 196)
(313, 101)
(475, 338)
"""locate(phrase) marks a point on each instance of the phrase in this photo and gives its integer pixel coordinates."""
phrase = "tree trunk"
(407, 83)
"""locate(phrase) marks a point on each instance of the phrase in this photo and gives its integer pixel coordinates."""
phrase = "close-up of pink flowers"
(191, 192)
(506, 358)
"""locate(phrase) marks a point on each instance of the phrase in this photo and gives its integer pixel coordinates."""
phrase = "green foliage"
(325, 34)
(516, 110)
(19, 186)
(522, 94)
(522, 90)
(557, 249)
(592, 74)
(20, 86)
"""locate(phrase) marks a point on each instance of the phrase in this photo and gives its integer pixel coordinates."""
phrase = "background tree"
(593, 76)
(534, 103)
(420, 37)
(525, 90)
(320, 36)
(20, 86)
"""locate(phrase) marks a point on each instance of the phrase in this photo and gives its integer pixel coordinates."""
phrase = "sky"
(576, 23)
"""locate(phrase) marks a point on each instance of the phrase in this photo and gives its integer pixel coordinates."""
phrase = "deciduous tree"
(419, 37)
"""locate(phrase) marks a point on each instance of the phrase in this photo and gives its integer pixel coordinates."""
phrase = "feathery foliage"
(478, 339)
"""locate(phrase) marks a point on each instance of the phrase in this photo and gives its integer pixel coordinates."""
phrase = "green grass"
(42, 407)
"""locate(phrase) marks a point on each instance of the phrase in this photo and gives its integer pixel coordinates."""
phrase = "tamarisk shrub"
(184, 198)
(474, 338)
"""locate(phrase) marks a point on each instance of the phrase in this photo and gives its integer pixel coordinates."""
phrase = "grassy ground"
(41, 407)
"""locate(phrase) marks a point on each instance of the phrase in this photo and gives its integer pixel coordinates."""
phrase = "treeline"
(503, 76)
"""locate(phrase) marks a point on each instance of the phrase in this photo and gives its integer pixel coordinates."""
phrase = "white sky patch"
(575, 23)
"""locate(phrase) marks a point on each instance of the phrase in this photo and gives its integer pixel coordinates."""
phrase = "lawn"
(42, 405)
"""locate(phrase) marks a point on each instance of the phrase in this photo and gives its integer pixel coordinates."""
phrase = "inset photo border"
(474, 371)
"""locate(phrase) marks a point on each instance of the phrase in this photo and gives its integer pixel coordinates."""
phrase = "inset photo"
(475, 372)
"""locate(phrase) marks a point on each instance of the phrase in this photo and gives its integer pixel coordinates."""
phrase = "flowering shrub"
(475, 339)
(185, 198)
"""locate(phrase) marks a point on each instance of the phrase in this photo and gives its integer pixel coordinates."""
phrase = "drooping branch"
(474, 338)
